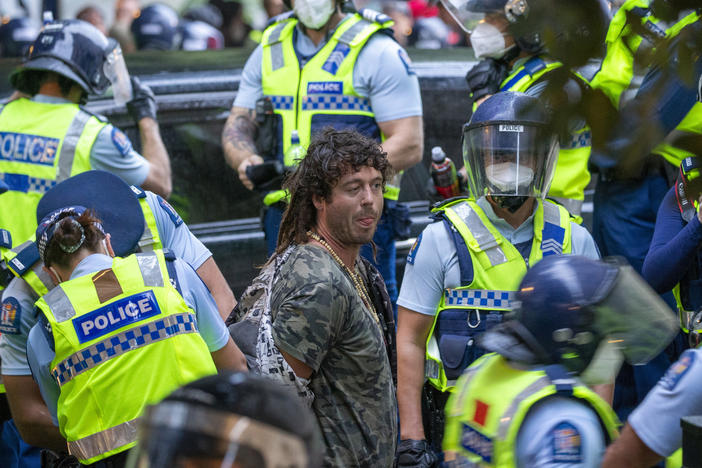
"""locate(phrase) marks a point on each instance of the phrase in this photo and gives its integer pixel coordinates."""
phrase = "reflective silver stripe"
(69, 145)
(43, 275)
(574, 207)
(506, 418)
(20, 247)
(335, 102)
(116, 345)
(104, 441)
(479, 298)
(150, 269)
(60, 305)
(146, 241)
(348, 36)
(551, 213)
(486, 241)
(276, 47)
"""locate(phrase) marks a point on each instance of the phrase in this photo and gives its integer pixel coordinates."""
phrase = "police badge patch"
(121, 141)
(566, 444)
(10, 316)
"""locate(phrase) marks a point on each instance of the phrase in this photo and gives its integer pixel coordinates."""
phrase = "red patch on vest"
(481, 411)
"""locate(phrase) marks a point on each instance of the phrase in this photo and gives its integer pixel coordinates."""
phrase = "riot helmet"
(508, 150)
(669, 10)
(17, 36)
(571, 31)
(228, 420)
(78, 51)
(586, 315)
(156, 28)
(198, 35)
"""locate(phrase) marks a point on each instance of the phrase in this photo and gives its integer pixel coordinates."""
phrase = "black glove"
(143, 104)
(416, 454)
(485, 77)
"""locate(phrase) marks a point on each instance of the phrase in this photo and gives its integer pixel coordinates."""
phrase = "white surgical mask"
(314, 14)
(488, 41)
(507, 176)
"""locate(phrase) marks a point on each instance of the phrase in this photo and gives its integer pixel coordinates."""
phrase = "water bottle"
(443, 172)
(295, 152)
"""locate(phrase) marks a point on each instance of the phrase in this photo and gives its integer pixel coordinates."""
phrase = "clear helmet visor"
(461, 12)
(634, 318)
(509, 159)
(179, 435)
(115, 70)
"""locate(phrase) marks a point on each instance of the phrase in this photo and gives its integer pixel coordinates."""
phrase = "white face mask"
(488, 41)
(507, 176)
(314, 14)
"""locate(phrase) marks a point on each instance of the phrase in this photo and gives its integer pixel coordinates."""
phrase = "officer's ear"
(53, 274)
(108, 245)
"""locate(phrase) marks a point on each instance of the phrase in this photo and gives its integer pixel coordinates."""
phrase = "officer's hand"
(143, 104)
(416, 453)
(252, 160)
(485, 78)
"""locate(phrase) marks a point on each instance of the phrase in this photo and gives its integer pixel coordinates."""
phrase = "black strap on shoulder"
(170, 266)
(45, 328)
(560, 377)
(464, 261)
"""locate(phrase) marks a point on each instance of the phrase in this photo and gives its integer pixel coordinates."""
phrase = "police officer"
(231, 420)
(137, 220)
(135, 327)
(637, 161)
(533, 39)
(320, 67)
(156, 28)
(525, 404)
(462, 272)
(49, 137)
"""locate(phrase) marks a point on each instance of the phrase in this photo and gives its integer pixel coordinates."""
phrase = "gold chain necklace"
(355, 278)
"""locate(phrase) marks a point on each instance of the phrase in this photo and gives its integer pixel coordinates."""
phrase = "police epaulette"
(5, 239)
(168, 255)
(100, 117)
(25, 259)
(374, 16)
(138, 191)
(441, 204)
(280, 17)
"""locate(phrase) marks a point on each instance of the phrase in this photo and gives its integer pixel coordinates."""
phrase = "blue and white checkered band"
(24, 183)
(335, 102)
(479, 298)
(118, 344)
(282, 102)
(578, 140)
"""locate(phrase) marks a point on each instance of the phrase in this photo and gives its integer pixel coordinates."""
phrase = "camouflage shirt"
(319, 318)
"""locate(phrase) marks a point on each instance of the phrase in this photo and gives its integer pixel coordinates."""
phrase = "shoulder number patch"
(676, 372)
(566, 444)
(121, 141)
(172, 213)
(10, 316)
(413, 251)
(406, 61)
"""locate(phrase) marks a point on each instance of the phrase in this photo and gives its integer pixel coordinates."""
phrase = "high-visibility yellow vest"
(571, 175)
(498, 268)
(626, 49)
(484, 414)
(124, 338)
(41, 144)
(321, 93)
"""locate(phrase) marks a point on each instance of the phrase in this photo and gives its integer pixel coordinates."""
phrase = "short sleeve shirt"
(319, 319)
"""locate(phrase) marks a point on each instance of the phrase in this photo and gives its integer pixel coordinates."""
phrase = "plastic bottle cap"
(437, 154)
(295, 137)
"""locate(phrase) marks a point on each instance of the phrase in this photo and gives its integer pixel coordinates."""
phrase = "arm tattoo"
(241, 131)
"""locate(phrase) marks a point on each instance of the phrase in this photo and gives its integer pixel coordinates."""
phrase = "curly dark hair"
(331, 155)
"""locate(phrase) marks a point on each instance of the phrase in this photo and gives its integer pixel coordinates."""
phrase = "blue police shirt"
(432, 265)
(20, 298)
(112, 150)
(196, 295)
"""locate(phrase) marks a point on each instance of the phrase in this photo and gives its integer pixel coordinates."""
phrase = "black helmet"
(583, 314)
(156, 28)
(572, 31)
(232, 419)
(668, 10)
(72, 48)
(16, 36)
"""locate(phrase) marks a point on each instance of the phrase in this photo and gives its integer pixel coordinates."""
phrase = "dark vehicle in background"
(194, 92)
